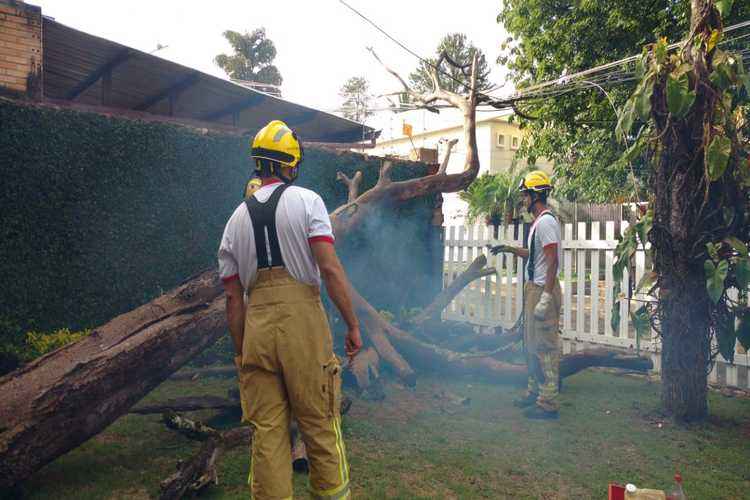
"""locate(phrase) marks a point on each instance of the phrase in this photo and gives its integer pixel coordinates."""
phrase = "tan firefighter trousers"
(288, 367)
(542, 346)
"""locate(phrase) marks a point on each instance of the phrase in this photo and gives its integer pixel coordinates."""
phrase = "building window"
(514, 143)
(501, 141)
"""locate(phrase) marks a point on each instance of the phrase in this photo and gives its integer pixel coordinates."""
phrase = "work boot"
(536, 412)
(525, 401)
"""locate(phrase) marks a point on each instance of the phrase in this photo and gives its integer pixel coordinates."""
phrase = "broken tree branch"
(189, 428)
(352, 184)
(475, 271)
(447, 157)
(200, 471)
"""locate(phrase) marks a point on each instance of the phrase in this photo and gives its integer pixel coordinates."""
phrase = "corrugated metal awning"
(97, 72)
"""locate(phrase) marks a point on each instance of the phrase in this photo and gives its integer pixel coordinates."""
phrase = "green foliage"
(679, 96)
(668, 82)
(461, 51)
(252, 59)
(493, 195)
(717, 156)
(356, 95)
(716, 275)
(40, 343)
(576, 130)
(101, 215)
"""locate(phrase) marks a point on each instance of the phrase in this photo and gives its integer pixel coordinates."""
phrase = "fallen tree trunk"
(475, 271)
(60, 400)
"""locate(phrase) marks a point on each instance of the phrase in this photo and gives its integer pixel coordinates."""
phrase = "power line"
(561, 85)
(407, 49)
(566, 80)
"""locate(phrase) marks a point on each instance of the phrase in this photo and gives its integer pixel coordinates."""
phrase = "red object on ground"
(616, 492)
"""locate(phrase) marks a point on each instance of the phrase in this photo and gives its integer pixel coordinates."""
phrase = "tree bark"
(200, 471)
(60, 400)
(680, 194)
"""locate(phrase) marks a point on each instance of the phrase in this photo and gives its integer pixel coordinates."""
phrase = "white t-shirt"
(301, 219)
(546, 231)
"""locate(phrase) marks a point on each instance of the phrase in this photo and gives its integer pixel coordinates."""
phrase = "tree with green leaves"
(253, 57)
(575, 130)
(456, 76)
(687, 121)
(356, 95)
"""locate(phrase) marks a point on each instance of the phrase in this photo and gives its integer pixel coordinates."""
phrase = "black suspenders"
(263, 218)
(532, 250)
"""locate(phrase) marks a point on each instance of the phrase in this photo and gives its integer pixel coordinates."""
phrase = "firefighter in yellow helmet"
(542, 299)
(276, 251)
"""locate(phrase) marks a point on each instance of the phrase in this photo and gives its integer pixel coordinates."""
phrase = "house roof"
(80, 67)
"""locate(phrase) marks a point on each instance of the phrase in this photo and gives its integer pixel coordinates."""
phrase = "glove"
(501, 249)
(541, 308)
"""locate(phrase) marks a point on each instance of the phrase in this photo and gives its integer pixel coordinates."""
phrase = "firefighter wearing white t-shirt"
(276, 250)
(542, 300)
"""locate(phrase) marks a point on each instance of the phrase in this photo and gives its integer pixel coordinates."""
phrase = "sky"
(320, 43)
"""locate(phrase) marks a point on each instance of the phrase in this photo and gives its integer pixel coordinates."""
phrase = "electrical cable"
(407, 49)
(562, 85)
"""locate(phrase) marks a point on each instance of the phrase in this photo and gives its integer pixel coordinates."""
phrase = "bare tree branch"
(447, 157)
(352, 184)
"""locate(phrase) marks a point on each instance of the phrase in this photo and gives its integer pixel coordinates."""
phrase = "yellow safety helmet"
(536, 181)
(252, 186)
(276, 142)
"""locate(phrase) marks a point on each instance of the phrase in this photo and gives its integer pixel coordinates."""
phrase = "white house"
(498, 139)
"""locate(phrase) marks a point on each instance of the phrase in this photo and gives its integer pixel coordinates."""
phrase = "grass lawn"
(420, 444)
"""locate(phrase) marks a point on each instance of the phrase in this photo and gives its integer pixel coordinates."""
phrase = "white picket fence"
(587, 280)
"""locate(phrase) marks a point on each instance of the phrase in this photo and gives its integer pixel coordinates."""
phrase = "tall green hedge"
(101, 214)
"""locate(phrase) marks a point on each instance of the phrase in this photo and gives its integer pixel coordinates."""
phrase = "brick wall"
(20, 48)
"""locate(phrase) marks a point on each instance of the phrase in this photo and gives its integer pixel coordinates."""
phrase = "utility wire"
(541, 90)
(560, 86)
(407, 49)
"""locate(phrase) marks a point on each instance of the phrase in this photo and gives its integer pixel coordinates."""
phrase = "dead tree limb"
(200, 471)
(189, 428)
(446, 159)
(366, 370)
(352, 184)
(350, 215)
(475, 271)
(386, 192)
